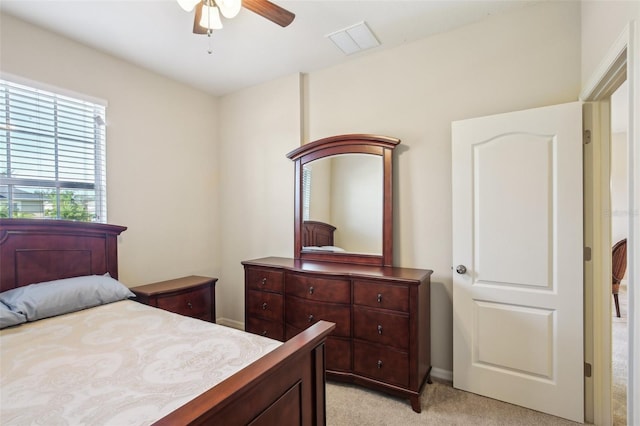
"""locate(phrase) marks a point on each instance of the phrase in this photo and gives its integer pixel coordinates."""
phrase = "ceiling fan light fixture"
(229, 8)
(188, 5)
(211, 18)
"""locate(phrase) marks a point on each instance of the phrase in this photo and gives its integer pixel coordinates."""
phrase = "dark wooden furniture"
(287, 386)
(618, 268)
(192, 296)
(33, 251)
(382, 335)
(381, 146)
(317, 234)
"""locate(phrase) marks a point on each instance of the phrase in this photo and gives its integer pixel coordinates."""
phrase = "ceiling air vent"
(354, 38)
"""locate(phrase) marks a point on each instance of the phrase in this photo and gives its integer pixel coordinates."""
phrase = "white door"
(517, 229)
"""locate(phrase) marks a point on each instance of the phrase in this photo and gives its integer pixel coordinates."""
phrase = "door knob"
(461, 269)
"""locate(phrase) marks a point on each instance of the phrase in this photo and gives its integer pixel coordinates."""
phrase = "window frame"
(81, 106)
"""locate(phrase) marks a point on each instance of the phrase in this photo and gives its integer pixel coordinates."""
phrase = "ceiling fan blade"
(270, 11)
(197, 28)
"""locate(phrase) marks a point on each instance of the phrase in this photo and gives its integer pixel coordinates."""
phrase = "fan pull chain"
(209, 29)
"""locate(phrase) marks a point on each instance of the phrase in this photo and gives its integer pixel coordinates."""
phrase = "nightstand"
(193, 296)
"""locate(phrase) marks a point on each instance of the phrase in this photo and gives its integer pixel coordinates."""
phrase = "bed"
(318, 236)
(283, 383)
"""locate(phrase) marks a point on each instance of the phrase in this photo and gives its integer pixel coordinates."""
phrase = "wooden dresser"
(192, 296)
(382, 334)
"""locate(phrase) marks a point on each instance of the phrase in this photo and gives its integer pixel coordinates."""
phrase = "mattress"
(122, 363)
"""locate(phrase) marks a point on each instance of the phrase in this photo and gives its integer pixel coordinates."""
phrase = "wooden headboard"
(317, 234)
(37, 250)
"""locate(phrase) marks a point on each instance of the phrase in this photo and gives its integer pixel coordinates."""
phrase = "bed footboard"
(285, 387)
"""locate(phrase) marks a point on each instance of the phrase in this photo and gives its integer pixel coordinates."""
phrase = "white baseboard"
(439, 373)
(230, 323)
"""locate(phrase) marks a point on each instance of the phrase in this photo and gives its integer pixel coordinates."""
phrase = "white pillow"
(48, 299)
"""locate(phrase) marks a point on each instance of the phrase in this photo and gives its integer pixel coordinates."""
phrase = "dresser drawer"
(263, 327)
(264, 305)
(381, 363)
(264, 279)
(379, 295)
(321, 289)
(194, 303)
(338, 354)
(337, 350)
(303, 313)
(383, 327)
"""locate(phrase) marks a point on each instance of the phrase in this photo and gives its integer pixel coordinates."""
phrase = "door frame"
(622, 61)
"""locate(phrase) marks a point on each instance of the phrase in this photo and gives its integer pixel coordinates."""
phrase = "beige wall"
(231, 174)
(524, 59)
(259, 126)
(161, 151)
(356, 202)
(600, 33)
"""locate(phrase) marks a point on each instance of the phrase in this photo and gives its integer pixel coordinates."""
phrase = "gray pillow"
(9, 317)
(48, 299)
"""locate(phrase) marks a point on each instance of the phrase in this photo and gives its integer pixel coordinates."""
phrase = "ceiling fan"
(207, 12)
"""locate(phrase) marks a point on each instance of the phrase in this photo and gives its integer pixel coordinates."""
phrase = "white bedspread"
(119, 364)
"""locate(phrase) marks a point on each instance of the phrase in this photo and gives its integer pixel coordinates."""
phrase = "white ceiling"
(156, 34)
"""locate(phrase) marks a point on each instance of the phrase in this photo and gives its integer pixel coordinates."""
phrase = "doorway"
(619, 231)
(619, 64)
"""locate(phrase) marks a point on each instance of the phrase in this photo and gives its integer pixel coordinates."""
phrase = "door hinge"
(587, 369)
(586, 137)
(587, 254)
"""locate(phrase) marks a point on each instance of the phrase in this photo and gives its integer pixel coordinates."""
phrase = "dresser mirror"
(345, 191)
(343, 199)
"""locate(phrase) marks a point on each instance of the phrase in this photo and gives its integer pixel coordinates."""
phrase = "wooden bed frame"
(317, 234)
(285, 387)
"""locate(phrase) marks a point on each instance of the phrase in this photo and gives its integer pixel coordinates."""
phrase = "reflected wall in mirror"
(345, 191)
(343, 199)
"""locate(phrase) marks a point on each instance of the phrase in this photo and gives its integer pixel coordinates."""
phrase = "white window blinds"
(306, 193)
(52, 155)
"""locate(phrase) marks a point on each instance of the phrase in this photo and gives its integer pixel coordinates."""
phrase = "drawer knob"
(311, 290)
(311, 318)
(264, 306)
(379, 363)
(379, 329)
(263, 281)
(379, 298)
(189, 305)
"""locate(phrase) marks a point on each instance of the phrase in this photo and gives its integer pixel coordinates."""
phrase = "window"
(52, 155)
(306, 192)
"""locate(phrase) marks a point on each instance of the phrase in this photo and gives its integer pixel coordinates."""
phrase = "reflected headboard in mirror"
(344, 182)
(317, 234)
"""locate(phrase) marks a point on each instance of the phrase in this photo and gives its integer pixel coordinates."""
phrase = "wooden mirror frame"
(347, 144)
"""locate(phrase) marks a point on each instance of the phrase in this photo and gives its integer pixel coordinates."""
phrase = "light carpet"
(441, 405)
(619, 359)
(444, 405)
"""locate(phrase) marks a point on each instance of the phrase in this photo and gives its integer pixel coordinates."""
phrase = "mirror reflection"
(344, 192)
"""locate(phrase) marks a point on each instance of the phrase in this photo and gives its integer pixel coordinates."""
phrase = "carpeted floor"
(619, 358)
(441, 405)
(349, 405)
